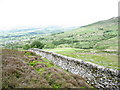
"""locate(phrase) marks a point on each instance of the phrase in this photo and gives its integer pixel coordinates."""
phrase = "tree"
(27, 46)
(37, 44)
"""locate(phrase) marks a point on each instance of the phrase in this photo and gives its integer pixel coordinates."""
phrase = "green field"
(108, 60)
(99, 35)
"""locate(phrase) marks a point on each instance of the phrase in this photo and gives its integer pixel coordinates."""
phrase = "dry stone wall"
(95, 75)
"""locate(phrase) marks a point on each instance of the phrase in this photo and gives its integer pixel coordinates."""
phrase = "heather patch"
(22, 69)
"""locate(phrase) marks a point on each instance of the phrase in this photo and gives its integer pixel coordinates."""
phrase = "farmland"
(108, 60)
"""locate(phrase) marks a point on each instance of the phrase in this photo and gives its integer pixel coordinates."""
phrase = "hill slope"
(23, 69)
(102, 35)
(99, 35)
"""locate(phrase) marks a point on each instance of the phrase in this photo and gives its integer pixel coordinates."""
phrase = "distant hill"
(27, 32)
(98, 35)
(33, 31)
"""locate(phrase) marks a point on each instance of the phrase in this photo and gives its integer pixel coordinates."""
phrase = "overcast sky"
(32, 13)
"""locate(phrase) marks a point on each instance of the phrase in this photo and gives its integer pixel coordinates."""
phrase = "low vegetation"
(34, 44)
(107, 59)
(23, 69)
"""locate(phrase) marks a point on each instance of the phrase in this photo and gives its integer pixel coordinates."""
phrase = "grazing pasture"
(106, 59)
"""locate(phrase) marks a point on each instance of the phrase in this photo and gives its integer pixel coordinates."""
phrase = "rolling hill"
(99, 35)
(97, 43)
(102, 35)
(27, 33)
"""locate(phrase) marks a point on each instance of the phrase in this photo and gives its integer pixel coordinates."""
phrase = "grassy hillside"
(105, 59)
(23, 69)
(99, 35)
(97, 43)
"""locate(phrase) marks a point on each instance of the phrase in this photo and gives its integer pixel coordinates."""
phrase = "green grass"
(47, 62)
(66, 50)
(89, 36)
(104, 59)
(112, 43)
(98, 35)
